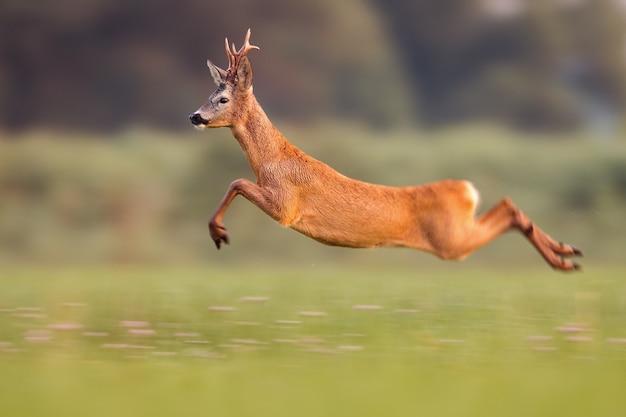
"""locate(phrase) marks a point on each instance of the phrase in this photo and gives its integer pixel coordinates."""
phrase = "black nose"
(196, 119)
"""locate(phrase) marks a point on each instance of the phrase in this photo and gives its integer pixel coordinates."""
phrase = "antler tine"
(234, 55)
(231, 57)
(246, 47)
(246, 44)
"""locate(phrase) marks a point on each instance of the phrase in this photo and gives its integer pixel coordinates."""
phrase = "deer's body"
(310, 197)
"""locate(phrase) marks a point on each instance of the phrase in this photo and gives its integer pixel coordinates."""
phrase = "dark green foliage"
(110, 64)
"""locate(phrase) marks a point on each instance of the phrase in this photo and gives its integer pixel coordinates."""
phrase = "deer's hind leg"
(506, 216)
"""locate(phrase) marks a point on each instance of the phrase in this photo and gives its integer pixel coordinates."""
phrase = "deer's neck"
(259, 139)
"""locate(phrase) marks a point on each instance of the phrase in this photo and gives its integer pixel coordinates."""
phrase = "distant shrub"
(145, 197)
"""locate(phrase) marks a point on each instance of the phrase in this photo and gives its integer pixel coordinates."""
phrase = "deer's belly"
(359, 231)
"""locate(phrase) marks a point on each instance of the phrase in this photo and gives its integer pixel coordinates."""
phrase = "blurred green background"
(114, 300)
(98, 162)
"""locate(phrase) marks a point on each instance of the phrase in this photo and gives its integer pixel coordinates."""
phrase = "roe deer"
(310, 197)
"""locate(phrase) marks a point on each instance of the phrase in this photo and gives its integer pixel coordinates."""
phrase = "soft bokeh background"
(114, 300)
(99, 164)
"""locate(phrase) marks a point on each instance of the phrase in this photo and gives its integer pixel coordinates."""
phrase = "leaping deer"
(312, 198)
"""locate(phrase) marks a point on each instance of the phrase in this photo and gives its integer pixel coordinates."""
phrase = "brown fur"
(310, 197)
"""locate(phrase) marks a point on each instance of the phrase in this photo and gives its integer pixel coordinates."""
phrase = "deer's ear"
(218, 74)
(244, 74)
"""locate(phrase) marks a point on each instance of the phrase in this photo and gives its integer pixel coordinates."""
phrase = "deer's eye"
(223, 100)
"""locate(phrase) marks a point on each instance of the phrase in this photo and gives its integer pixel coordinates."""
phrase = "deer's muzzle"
(197, 120)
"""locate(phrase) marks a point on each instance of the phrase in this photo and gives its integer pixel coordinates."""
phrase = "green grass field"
(312, 342)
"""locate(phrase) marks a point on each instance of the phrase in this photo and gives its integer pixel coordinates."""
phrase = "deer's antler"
(234, 56)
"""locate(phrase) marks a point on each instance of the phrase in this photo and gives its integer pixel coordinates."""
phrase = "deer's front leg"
(259, 196)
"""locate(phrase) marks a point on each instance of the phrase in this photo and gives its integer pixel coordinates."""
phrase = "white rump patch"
(472, 193)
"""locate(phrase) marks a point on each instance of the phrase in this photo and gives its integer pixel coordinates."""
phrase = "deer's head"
(234, 86)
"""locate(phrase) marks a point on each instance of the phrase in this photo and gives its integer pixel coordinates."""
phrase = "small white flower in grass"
(74, 304)
(288, 322)
(65, 326)
(114, 346)
(30, 315)
(134, 323)
(572, 328)
(579, 339)
(196, 342)
(312, 314)
(8, 347)
(38, 336)
(164, 354)
(248, 342)
(353, 335)
(186, 334)
(350, 348)
(367, 307)
(201, 353)
(229, 346)
(254, 299)
(141, 332)
(545, 348)
(406, 310)
(222, 308)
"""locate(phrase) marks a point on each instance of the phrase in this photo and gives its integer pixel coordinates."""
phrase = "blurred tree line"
(530, 63)
(108, 64)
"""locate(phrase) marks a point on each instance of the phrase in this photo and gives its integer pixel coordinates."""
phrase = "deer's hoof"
(219, 241)
(218, 234)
